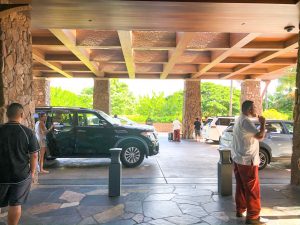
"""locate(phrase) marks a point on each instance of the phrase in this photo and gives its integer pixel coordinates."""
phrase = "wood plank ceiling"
(159, 54)
(118, 49)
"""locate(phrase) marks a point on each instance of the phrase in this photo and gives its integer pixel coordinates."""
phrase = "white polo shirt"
(176, 125)
(245, 147)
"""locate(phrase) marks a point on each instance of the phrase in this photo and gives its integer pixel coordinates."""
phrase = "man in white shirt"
(245, 154)
(176, 130)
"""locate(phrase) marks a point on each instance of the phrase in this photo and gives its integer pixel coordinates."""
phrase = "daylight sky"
(142, 86)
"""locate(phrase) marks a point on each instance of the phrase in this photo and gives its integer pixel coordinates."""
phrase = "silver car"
(277, 144)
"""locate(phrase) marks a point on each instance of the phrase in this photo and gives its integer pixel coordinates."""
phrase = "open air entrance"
(223, 40)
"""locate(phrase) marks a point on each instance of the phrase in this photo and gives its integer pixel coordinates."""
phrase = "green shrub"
(274, 114)
(155, 119)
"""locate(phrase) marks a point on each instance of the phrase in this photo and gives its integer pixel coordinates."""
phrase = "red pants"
(247, 195)
(177, 135)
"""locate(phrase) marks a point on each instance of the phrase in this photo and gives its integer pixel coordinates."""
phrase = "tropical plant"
(274, 114)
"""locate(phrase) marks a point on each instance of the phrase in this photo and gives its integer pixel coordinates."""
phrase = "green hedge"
(274, 114)
(155, 119)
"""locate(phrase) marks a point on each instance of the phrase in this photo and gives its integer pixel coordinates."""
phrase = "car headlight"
(149, 135)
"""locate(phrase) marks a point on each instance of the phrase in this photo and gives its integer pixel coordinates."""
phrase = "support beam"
(41, 91)
(291, 44)
(191, 107)
(250, 90)
(16, 80)
(126, 43)
(39, 56)
(267, 82)
(68, 38)
(295, 162)
(101, 96)
(237, 41)
(180, 48)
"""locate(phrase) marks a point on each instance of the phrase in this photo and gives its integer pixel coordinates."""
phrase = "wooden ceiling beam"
(46, 41)
(281, 61)
(40, 67)
(75, 75)
(229, 70)
(75, 68)
(68, 38)
(244, 60)
(290, 45)
(275, 72)
(265, 46)
(180, 48)
(61, 58)
(237, 41)
(126, 44)
(39, 57)
(237, 60)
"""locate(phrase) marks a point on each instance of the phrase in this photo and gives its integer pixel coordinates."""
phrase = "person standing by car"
(18, 160)
(176, 130)
(197, 127)
(41, 131)
(245, 154)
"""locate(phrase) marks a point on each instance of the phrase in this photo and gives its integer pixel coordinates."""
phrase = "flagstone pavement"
(151, 205)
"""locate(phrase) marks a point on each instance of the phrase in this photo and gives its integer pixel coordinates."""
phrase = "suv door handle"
(81, 131)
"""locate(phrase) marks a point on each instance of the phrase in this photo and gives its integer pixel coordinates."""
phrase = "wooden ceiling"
(161, 54)
(164, 39)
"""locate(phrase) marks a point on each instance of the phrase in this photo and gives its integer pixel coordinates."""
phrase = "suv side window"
(274, 128)
(62, 119)
(90, 119)
(289, 127)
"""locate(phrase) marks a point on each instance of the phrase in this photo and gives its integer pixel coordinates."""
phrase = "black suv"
(86, 133)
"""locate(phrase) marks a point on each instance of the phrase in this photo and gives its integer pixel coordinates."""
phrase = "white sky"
(142, 86)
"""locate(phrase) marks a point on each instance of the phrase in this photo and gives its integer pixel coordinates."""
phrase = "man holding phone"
(245, 154)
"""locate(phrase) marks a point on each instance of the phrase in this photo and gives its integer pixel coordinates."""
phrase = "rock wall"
(191, 107)
(16, 81)
(41, 89)
(101, 98)
(250, 90)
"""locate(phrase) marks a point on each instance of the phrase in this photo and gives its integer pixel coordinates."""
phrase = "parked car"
(86, 133)
(277, 144)
(214, 127)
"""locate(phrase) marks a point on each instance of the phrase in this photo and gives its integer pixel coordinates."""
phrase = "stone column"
(295, 164)
(250, 90)
(16, 81)
(101, 96)
(41, 88)
(191, 107)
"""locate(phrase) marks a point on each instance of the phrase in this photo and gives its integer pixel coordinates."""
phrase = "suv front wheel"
(264, 159)
(132, 155)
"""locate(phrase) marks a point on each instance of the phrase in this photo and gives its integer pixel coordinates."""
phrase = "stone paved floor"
(151, 205)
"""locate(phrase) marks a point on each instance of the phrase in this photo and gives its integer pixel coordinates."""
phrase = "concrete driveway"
(187, 162)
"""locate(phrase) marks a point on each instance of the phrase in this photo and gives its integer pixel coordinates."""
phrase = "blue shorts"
(14, 194)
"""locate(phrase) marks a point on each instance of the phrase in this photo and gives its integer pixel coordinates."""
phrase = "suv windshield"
(107, 117)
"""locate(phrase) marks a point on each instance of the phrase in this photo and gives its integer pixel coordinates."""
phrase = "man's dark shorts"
(14, 194)
(197, 132)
